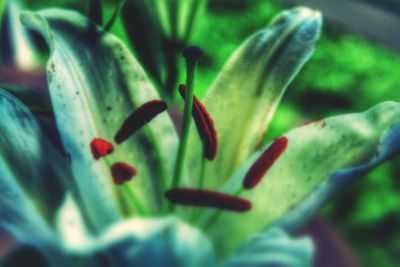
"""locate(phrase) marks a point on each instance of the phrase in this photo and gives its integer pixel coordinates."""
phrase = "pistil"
(204, 124)
(192, 55)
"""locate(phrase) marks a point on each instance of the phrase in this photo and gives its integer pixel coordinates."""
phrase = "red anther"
(100, 148)
(122, 172)
(139, 118)
(206, 198)
(264, 162)
(204, 124)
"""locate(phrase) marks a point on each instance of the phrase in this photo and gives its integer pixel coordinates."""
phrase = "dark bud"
(192, 53)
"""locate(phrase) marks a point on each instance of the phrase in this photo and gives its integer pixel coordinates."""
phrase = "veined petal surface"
(95, 84)
(320, 158)
(31, 187)
(25, 151)
(243, 98)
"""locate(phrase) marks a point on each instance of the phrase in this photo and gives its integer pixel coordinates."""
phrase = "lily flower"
(131, 192)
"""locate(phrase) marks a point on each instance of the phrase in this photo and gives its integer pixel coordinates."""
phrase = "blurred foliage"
(347, 73)
(392, 6)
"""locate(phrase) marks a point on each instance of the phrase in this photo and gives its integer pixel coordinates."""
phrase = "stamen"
(204, 124)
(264, 163)
(139, 118)
(100, 148)
(206, 198)
(122, 172)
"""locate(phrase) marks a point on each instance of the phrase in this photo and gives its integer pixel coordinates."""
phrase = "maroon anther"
(206, 198)
(139, 118)
(204, 124)
(100, 148)
(122, 172)
(264, 162)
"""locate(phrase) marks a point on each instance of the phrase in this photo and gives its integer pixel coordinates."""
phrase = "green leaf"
(114, 15)
(147, 40)
(243, 98)
(315, 152)
(26, 151)
(191, 11)
(16, 46)
(95, 84)
(178, 17)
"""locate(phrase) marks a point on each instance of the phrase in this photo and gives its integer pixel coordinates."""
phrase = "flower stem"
(131, 195)
(114, 16)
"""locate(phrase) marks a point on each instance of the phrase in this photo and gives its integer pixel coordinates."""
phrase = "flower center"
(197, 197)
